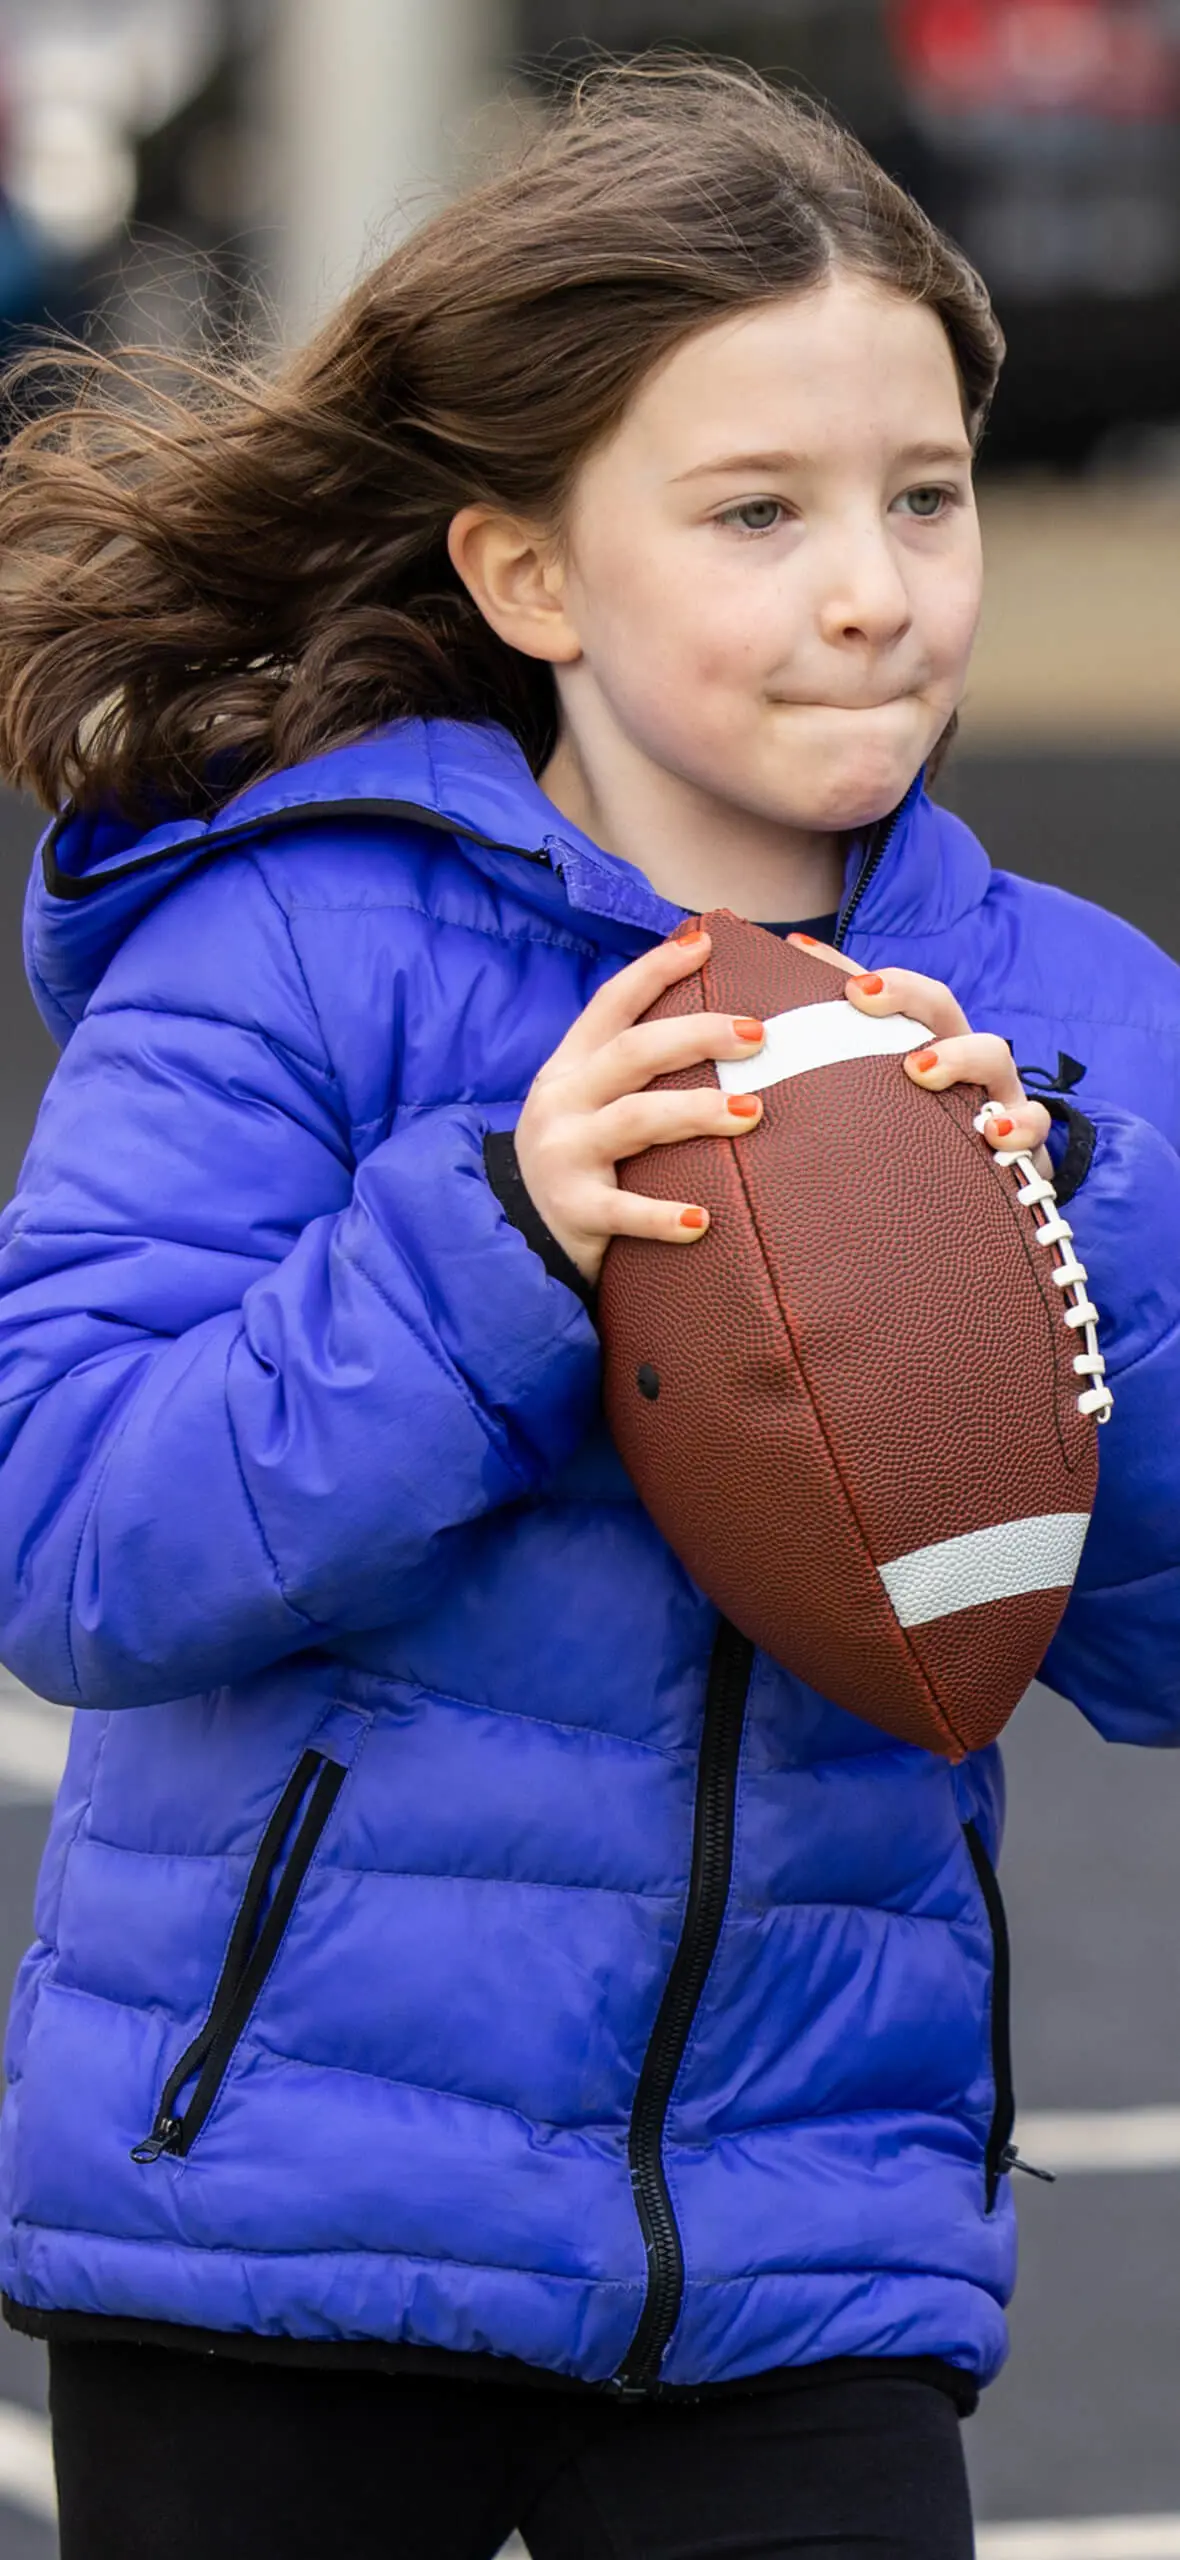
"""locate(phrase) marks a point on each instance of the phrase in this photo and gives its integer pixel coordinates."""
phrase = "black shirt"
(822, 928)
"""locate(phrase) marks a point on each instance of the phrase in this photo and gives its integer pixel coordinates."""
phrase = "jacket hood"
(95, 876)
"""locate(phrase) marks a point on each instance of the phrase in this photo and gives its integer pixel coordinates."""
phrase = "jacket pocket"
(998, 2155)
(284, 1855)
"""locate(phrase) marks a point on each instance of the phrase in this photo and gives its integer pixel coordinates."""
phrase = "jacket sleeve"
(508, 1183)
(1117, 1651)
(253, 1395)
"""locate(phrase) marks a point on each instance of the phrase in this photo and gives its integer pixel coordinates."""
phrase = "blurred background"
(169, 168)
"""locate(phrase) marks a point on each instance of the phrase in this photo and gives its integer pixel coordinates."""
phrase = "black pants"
(168, 2456)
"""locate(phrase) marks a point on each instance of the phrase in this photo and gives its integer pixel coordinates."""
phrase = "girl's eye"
(927, 503)
(754, 515)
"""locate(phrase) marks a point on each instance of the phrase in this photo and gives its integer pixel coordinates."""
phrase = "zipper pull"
(164, 2136)
(1010, 2159)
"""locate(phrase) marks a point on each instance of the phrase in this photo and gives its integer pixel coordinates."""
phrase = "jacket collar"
(918, 873)
(926, 874)
(94, 877)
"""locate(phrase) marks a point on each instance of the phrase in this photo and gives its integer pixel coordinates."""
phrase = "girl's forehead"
(851, 357)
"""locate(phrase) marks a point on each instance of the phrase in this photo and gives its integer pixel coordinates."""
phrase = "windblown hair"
(209, 576)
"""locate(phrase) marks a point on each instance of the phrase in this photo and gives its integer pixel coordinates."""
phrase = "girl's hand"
(586, 1107)
(956, 1055)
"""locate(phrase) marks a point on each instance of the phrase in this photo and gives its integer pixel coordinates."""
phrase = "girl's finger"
(1018, 1133)
(824, 951)
(635, 1213)
(882, 991)
(623, 997)
(976, 1057)
(1021, 1132)
(1019, 1125)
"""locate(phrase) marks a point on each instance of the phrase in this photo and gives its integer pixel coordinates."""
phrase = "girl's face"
(770, 572)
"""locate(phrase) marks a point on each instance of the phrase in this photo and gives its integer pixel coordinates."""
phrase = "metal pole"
(369, 100)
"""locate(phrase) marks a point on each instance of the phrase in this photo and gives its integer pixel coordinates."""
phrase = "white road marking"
(33, 1740)
(26, 2462)
(1104, 2138)
(1090, 2538)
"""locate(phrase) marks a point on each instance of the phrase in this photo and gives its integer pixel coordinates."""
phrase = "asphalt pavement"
(1080, 639)
(1084, 2425)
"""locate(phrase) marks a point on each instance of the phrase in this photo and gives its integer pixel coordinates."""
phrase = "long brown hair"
(210, 577)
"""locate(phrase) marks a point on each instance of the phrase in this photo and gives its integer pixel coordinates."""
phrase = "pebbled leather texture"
(864, 1354)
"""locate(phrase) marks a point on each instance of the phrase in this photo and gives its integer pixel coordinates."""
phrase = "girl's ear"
(515, 577)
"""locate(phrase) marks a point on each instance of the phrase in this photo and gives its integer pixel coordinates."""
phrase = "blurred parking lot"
(1080, 641)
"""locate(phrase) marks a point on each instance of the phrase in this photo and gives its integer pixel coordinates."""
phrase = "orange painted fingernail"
(925, 1059)
(687, 939)
(743, 1105)
(870, 986)
(810, 939)
(747, 1028)
(1003, 1128)
(692, 1217)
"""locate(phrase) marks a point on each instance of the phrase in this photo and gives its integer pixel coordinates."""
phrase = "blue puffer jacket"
(377, 1993)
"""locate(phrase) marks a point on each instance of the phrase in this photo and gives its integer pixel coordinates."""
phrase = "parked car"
(1045, 134)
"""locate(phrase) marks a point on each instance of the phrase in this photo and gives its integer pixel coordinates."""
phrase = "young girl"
(412, 2133)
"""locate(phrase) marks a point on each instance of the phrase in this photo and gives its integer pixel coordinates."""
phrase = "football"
(862, 1408)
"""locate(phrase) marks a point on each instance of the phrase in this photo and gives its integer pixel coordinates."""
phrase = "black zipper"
(253, 1945)
(708, 1893)
(1000, 2153)
(869, 867)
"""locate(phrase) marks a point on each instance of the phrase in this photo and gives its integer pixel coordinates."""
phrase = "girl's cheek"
(953, 608)
(743, 641)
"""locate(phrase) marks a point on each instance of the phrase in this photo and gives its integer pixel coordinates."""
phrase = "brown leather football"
(853, 1407)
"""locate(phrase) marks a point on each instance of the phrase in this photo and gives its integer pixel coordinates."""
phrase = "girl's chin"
(849, 783)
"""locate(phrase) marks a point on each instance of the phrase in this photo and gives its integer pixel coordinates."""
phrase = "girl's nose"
(866, 600)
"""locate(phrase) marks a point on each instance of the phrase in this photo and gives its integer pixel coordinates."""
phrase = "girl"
(411, 2134)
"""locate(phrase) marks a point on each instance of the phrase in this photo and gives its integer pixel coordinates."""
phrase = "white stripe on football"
(1038, 1554)
(819, 1035)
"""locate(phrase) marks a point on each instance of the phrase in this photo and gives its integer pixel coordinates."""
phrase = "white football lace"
(1056, 1234)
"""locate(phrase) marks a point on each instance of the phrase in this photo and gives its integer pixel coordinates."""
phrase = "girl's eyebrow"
(920, 457)
(746, 462)
(935, 457)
